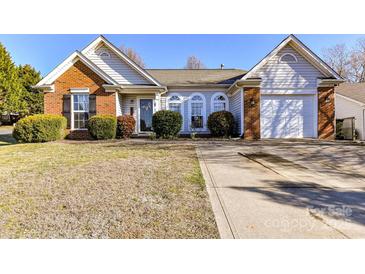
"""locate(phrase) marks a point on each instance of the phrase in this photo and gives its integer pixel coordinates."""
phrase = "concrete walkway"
(254, 196)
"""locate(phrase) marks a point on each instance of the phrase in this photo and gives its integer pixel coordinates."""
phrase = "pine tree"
(11, 90)
(28, 77)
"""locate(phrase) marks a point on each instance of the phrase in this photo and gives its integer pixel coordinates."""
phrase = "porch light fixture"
(252, 102)
(327, 100)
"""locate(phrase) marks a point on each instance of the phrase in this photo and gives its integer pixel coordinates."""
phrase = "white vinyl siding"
(288, 116)
(185, 94)
(129, 101)
(346, 108)
(236, 108)
(115, 67)
(163, 104)
(276, 74)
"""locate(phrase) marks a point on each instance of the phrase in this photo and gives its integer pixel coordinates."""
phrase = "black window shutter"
(67, 109)
(92, 105)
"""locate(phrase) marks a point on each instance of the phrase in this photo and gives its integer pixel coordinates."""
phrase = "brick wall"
(252, 113)
(326, 113)
(79, 76)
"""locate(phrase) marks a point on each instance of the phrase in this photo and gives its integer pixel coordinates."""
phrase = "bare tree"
(133, 55)
(357, 62)
(338, 57)
(194, 63)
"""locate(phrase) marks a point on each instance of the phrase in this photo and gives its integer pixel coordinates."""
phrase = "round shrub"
(125, 126)
(221, 123)
(40, 128)
(166, 123)
(102, 127)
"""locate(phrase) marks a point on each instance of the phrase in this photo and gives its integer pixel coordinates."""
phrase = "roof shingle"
(175, 77)
(355, 91)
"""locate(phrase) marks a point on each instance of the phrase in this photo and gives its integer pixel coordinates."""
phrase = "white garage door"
(287, 116)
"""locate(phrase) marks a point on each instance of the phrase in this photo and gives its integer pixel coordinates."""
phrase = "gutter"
(199, 86)
(44, 88)
(121, 88)
(253, 82)
(329, 82)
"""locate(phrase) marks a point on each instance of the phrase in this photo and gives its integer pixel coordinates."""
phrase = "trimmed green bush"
(221, 123)
(125, 126)
(40, 128)
(102, 127)
(166, 123)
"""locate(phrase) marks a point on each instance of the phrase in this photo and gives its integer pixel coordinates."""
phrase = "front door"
(145, 114)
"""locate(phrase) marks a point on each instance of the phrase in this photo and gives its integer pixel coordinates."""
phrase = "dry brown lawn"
(113, 189)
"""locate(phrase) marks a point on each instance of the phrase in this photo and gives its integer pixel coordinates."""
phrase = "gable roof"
(102, 40)
(354, 91)
(176, 77)
(309, 55)
(67, 63)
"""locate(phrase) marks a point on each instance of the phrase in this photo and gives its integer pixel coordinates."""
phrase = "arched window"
(288, 58)
(219, 102)
(104, 54)
(197, 111)
(174, 103)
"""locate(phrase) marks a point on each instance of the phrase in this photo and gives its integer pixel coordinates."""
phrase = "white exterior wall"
(185, 94)
(291, 79)
(301, 75)
(346, 108)
(118, 99)
(116, 68)
(236, 107)
(131, 100)
(128, 101)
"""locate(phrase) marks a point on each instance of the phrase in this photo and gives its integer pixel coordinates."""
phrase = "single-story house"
(288, 94)
(350, 102)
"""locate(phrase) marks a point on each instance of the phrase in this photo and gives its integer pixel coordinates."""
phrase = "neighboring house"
(350, 102)
(288, 94)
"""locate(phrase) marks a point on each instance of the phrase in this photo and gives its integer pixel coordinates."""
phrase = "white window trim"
(181, 106)
(139, 109)
(204, 112)
(73, 92)
(291, 62)
(79, 90)
(212, 101)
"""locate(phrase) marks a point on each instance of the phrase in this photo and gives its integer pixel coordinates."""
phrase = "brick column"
(326, 113)
(251, 113)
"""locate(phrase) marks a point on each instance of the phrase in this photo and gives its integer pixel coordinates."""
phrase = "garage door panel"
(287, 116)
(295, 127)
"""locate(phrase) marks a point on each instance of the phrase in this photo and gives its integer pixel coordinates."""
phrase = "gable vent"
(104, 54)
(288, 58)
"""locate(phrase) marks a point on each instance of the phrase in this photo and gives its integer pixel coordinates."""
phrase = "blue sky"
(44, 52)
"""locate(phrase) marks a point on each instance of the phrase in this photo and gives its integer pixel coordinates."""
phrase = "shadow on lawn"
(7, 139)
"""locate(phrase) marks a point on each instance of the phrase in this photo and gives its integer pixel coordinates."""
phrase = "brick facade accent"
(326, 113)
(251, 113)
(79, 76)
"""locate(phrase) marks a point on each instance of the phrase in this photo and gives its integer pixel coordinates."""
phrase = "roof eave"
(119, 53)
(199, 85)
(329, 82)
(252, 82)
(320, 64)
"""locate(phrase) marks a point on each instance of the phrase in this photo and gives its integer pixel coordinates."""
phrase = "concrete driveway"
(6, 130)
(286, 189)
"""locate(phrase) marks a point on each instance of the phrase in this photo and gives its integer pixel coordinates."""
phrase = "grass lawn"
(102, 190)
